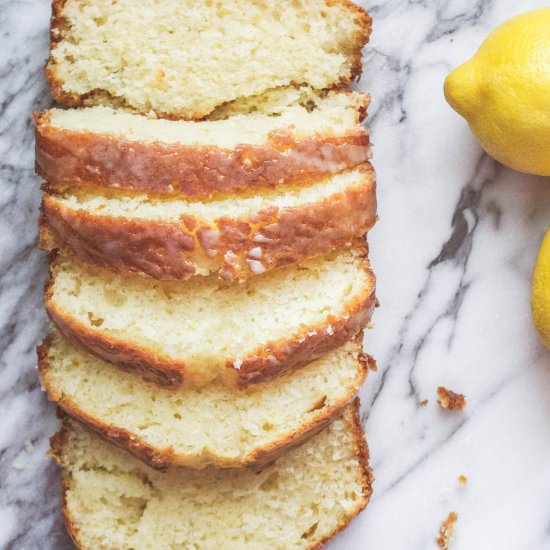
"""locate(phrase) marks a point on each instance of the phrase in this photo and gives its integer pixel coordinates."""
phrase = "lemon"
(503, 92)
(540, 292)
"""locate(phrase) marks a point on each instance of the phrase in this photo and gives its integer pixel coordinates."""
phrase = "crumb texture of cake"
(202, 329)
(236, 237)
(182, 59)
(114, 501)
(287, 136)
(197, 427)
(450, 400)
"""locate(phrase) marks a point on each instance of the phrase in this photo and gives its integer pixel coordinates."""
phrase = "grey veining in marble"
(29, 494)
(453, 253)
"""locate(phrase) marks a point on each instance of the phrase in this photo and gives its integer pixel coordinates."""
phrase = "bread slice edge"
(67, 158)
(161, 458)
(361, 451)
(235, 248)
(263, 364)
(99, 96)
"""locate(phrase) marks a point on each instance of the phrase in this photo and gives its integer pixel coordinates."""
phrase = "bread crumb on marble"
(446, 531)
(450, 400)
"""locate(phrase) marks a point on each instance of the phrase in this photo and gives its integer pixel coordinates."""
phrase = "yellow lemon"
(503, 92)
(540, 292)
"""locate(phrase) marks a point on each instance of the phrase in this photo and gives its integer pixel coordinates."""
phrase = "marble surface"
(453, 252)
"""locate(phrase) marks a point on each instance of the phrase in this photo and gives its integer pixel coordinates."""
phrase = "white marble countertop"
(453, 252)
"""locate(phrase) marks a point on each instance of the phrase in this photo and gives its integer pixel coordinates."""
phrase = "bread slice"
(235, 237)
(111, 500)
(286, 136)
(184, 58)
(201, 329)
(199, 427)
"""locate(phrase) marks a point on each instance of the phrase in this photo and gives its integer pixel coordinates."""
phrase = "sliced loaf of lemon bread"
(235, 237)
(202, 329)
(193, 427)
(111, 500)
(287, 136)
(184, 58)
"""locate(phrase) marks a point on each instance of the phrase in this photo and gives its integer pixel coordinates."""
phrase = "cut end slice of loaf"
(195, 427)
(287, 137)
(235, 237)
(182, 59)
(201, 329)
(112, 500)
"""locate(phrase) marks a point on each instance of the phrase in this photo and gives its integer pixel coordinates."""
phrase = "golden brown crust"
(362, 38)
(57, 443)
(362, 454)
(368, 361)
(367, 477)
(235, 248)
(68, 158)
(57, 27)
(71, 99)
(72, 531)
(161, 458)
(266, 363)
